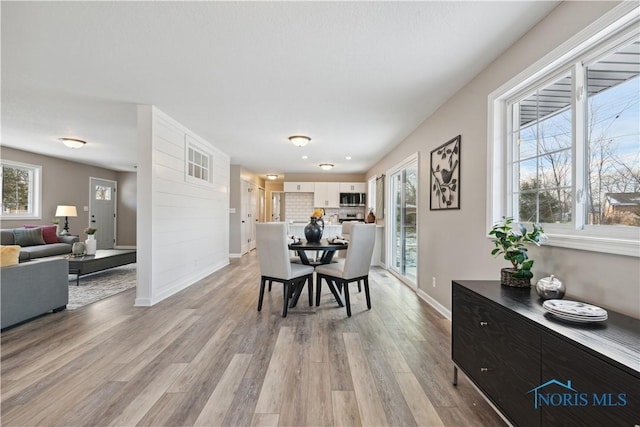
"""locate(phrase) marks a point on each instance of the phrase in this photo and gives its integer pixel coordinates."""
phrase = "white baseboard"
(235, 255)
(148, 302)
(142, 302)
(435, 304)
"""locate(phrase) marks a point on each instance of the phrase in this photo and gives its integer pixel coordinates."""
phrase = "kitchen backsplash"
(299, 207)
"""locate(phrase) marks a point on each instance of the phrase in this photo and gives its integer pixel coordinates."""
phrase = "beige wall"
(235, 206)
(127, 207)
(67, 183)
(453, 244)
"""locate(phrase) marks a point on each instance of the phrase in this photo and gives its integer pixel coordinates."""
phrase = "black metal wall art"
(445, 176)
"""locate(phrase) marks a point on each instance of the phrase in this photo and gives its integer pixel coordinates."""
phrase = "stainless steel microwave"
(353, 199)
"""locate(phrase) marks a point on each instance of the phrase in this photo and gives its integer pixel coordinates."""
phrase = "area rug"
(100, 285)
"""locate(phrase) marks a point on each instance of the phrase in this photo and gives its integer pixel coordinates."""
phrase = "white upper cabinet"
(299, 187)
(326, 195)
(353, 187)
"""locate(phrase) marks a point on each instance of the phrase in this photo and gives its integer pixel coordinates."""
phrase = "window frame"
(35, 190)
(191, 144)
(619, 24)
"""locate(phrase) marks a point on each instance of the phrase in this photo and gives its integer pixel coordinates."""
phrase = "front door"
(102, 211)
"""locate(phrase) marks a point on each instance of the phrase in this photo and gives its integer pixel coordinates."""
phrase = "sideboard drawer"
(497, 350)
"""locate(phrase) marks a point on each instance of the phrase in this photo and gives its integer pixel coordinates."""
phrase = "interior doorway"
(277, 206)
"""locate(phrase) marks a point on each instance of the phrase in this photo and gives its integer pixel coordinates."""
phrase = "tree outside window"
(544, 143)
(20, 190)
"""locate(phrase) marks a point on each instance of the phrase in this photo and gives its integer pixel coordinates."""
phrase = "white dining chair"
(346, 234)
(276, 265)
(355, 267)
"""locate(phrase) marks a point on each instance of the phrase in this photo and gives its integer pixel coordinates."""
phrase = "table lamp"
(66, 212)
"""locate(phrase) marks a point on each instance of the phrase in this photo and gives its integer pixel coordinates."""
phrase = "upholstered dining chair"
(355, 267)
(276, 265)
(346, 233)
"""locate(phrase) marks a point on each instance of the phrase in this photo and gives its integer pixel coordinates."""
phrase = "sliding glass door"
(403, 221)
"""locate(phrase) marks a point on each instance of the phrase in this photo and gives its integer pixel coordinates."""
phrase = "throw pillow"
(9, 255)
(49, 232)
(28, 236)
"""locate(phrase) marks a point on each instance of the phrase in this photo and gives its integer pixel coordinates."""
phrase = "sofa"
(30, 289)
(33, 273)
(37, 241)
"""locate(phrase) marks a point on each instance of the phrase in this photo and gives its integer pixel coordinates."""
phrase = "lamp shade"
(62, 210)
(326, 166)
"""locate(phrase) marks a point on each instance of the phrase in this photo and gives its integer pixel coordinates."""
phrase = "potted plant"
(513, 244)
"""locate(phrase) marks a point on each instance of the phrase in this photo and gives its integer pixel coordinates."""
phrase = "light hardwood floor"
(206, 357)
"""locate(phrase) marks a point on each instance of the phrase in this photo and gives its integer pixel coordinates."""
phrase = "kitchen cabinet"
(538, 370)
(353, 187)
(326, 195)
(299, 187)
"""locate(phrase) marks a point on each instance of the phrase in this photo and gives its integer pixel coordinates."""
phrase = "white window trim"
(620, 240)
(36, 194)
(190, 142)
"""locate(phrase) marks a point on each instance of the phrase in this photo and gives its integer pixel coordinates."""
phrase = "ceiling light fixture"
(348, 157)
(305, 157)
(326, 166)
(72, 142)
(272, 176)
(299, 140)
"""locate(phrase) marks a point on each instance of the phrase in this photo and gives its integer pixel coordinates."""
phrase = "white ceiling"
(356, 77)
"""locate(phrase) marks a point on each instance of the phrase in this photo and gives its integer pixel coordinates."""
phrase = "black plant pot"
(507, 279)
(313, 231)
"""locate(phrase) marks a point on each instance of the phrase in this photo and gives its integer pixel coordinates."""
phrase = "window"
(198, 164)
(20, 190)
(103, 193)
(564, 141)
(371, 195)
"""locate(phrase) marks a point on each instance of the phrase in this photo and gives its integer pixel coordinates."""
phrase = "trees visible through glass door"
(404, 238)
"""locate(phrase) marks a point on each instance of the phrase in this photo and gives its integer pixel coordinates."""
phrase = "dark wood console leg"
(455, 375)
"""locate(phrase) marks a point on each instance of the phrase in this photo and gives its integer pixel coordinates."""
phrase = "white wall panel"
(189, 222)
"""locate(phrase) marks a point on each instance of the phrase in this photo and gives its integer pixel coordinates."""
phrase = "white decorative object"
(90, 244)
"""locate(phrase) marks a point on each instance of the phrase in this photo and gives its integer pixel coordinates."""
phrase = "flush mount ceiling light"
(326, 166)
(299, 140)
(272, 176)
(72, 142)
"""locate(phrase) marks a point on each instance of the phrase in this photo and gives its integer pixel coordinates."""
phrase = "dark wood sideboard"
(520, 356)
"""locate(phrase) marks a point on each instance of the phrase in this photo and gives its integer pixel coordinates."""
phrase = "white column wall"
(183, 228)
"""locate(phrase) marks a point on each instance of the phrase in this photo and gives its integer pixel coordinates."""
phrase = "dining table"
(325, 250)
